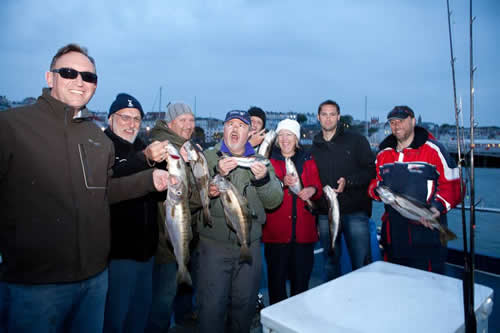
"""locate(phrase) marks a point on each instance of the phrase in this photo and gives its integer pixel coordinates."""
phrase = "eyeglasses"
(126, 118)
(70, 73)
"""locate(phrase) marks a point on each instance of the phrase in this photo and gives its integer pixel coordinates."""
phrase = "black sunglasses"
(70, 73)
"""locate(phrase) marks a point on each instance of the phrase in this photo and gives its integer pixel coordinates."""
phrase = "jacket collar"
(249, 151)
(122, 143)
(320, 140)
(56, 105)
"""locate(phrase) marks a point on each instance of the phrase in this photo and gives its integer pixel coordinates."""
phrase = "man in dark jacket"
(134, 230)
(412, 162)
(346, 163)
(55, 189)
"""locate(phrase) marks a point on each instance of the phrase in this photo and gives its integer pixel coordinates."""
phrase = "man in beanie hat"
(412, 162)
(55, 277)
(177, 127)
(258, 129)
(224, 283)
(134, 229)
(346, 163)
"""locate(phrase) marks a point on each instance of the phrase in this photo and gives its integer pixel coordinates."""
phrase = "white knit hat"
(291, 125)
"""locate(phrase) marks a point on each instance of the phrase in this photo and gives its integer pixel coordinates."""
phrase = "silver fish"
(178, 225)
(267, 144)
(199, 166)
(333, 213)
(297, 187)
(176, 165)
(414, 210)
(236, 213)
(247, 162)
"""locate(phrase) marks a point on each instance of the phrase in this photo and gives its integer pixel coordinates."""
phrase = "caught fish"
(267, 144)
(247, 162)
(178, 225)
(236, 213)
(176, 165)
(201, 174)
(414, 210)
(333, 213)
(297, 187)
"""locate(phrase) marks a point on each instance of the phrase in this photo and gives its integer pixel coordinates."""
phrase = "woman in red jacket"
(290, 231)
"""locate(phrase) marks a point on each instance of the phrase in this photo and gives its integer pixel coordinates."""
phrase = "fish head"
(173, 152)
(290, 167)
(192, 152)
(385, 194)
(221, 183)
(176, 189)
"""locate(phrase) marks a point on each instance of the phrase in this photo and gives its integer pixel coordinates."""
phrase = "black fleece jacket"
(346, 155)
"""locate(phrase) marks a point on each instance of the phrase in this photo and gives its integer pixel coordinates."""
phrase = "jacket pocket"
(94, 161)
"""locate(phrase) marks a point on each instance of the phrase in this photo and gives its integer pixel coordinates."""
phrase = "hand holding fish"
(227, 164)
(259, 170)
(290, 180)
(156, 151)
(256, 138)
(341, 186)
(435, 216)
(160, 179)
(213, 191)
(306, 193)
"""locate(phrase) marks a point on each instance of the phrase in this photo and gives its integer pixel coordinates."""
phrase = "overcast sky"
(281, 55)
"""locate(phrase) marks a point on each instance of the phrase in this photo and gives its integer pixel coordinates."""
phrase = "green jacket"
(261, 194)
(162, 132)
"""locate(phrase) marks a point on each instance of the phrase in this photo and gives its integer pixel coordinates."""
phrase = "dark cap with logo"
(237, 114)
(400, 112)
(124, 101)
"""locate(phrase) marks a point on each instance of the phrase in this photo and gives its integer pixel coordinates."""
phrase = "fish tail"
(245, 255)
(446, 235)
(207, 218)
(183, 276)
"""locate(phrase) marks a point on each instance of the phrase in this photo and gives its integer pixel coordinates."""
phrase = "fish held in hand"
(414, 210)
(236, 213)
(178, 226)
(333, 214)
(199, 166)
(267, 144)
(297, 187)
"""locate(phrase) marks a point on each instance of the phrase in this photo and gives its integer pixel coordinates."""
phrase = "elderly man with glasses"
(56, 188)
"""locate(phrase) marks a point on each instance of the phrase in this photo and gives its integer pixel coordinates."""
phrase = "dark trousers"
(288, 261)
(431, 263)
(227, 289)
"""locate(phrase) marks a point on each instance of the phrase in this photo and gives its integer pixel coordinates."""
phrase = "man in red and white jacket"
(412, 162)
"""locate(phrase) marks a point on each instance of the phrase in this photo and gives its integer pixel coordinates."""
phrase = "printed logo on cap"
(130, 105)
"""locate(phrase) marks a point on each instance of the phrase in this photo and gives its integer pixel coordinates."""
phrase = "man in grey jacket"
(224, 283)
(55, 189)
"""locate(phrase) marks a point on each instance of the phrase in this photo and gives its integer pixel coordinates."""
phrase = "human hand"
(156, 151)
(213, 191)
(341, 186)
(256, 138)
(160, 179)
(226, 164)
(426, 223)
(290, 180)
(259, 170)
(306, 193)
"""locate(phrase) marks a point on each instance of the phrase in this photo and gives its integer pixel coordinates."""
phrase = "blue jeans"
(164, 289)
(58, 307)
(129, 296)
(356, 230)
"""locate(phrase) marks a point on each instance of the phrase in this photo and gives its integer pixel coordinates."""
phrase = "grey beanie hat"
(175, 110)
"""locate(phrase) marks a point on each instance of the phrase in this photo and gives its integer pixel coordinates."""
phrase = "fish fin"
(207, 218)
(183, 276)
(245, 255)
(446, 235)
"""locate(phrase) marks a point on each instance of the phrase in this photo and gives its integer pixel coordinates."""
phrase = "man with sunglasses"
(55, 189)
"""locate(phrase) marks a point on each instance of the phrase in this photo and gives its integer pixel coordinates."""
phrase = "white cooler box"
(380, 297)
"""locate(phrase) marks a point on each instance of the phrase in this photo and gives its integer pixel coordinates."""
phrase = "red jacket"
(280, 222)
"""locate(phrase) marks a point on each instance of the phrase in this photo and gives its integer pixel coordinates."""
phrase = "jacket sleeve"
(366, 165)
(310, 177)
(269, 189)
(447, 194)
(377, 179)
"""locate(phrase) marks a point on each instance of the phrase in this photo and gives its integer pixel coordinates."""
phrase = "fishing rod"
(471, 315)
(467, 285)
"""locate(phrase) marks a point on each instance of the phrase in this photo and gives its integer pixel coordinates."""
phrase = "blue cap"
(124, 101)
(400, 112)
(241, 115)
